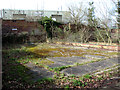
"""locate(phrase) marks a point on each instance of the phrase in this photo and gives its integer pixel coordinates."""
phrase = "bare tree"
(76, 13)
(107, 22)
(77, 16)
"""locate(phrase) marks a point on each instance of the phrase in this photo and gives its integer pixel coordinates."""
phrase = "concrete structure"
(57, 18)
(33, 15)
(19, 16)
(0, 26)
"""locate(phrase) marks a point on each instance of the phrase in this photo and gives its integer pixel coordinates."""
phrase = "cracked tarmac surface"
(91, 67)
(39, 72)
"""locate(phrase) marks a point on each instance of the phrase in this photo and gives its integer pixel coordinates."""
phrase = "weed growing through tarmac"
(73, 75)
(100, 78)
(77, 83)
(87, 76)
(81, 82)
(40, 81)
(67, 87)
(60, 68)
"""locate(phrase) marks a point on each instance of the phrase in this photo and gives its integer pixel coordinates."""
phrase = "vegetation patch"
(60, 68)
(86, 81)
(45, 50)
(15, 73)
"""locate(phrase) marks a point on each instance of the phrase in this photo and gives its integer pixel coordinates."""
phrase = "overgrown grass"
(42, 81)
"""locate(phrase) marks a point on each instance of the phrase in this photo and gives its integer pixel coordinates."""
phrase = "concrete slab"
(55, 65)
(115, 60)
(68, 60)
(91, 67)
(60, 61)
(94, 56)
(78, 70)
(38, 72)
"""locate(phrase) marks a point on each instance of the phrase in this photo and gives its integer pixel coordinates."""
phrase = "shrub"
(48, 24)
(14, 38)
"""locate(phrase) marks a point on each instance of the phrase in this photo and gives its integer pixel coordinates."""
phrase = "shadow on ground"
(15, 74)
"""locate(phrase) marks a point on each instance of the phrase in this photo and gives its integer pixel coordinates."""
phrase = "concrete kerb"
(109, 47)
(106, 70)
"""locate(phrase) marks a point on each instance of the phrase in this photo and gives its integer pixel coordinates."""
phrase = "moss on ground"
(54, 51)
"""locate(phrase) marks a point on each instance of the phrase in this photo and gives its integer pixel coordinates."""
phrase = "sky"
(34, 4)
(46, 4)
(102, 7)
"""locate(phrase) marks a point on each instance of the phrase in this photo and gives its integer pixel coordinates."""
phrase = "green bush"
(77, 83)
(49, 24)
(87, 76)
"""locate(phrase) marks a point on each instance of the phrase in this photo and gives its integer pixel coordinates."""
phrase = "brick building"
(21, 26)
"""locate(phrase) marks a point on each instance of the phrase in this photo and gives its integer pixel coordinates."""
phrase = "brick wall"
(18, 26)
(35, 32)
